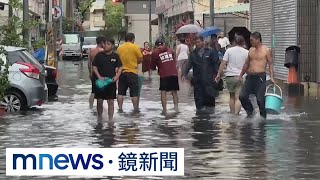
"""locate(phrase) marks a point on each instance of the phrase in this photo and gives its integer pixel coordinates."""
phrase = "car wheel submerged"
(13, 102)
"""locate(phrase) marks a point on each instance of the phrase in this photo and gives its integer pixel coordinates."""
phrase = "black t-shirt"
(107, 64)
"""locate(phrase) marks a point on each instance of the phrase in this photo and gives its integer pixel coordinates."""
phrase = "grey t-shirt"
(236, 58)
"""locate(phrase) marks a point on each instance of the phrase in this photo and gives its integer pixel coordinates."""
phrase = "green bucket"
(273, 100)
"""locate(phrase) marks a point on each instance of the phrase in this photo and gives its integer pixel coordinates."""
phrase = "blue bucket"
(273, 100)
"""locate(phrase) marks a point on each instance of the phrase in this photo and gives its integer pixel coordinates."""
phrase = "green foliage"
(4, 80)
(11, 33)
(85, 5)
(67, 25)
(39, 43)
(113, 15)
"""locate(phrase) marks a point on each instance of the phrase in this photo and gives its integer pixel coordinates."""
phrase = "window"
(23, 56)
(71, 38)
(89, 41)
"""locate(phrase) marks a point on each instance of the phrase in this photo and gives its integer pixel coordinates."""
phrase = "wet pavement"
(219, 146)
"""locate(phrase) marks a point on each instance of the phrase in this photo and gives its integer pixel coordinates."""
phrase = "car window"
(23, 56)
(15, 56)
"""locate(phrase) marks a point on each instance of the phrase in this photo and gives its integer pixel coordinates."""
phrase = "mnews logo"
(94, 162)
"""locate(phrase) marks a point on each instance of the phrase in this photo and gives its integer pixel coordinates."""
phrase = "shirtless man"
(92, 54)
(255, 67)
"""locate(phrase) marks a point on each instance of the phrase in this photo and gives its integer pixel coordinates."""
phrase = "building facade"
(36, 12)
(172, 12)
(94, 19)
(137, 20)
(290, 23)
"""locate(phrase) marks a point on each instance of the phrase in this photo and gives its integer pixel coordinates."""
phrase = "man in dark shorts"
(92, 53)
(107, 64)
(130, 55)
(163, 58)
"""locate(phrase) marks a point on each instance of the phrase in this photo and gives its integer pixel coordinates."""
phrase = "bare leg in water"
(110, 109)
(135, 102)
(100, 107)
(120, 103)
(91, 100)
(164, 102)
(175, 101)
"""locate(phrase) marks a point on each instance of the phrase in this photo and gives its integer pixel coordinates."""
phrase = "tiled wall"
(308, 21)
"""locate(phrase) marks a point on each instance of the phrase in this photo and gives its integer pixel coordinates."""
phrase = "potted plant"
(4, 80)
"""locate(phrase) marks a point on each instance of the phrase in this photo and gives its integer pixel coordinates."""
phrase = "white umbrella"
(189, 28)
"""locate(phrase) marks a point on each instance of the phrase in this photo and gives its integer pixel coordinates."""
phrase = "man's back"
(92, 54)
(129, 54)
(236, 58)
(165, 60)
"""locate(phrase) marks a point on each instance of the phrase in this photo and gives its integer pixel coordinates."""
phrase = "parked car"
(27, 80)
(51, 80)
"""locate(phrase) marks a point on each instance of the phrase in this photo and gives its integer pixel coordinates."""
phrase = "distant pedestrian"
(146, 52)
(107, 64)
(205, 64)
(130, 56)
(92, 53)
(224, 42)
(182, 54)
(234, 58)
(164, 58)
(255, 67)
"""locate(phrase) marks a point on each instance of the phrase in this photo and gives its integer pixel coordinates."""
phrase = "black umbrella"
(243, 31)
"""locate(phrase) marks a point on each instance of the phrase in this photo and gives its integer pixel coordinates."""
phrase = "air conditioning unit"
(40, 1)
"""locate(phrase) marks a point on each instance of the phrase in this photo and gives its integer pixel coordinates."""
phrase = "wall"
(177, 7)
(226, 22)
(204, 5)
(139, 25)
(318, 45)
(140, 7)
(307, 29)
(284, 33)
(4, 15)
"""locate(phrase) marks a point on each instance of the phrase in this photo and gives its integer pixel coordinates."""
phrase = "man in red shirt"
(163, 58)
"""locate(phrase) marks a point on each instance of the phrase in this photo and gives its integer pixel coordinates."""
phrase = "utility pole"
(72, 15)
(26, 18)
(150, 27)
(212, 12)
(60, 26)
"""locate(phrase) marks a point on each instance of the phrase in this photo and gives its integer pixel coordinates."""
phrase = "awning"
(154, 22)
(239, 8)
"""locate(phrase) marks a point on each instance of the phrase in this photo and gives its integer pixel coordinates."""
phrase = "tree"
(113, 16)
(84, 6)
(11, 33)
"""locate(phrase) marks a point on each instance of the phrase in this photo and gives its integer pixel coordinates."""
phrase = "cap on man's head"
(159, 42)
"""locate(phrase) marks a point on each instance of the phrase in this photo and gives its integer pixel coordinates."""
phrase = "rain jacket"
(205, 68)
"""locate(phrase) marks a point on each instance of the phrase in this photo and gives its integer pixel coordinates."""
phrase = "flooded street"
(220, 146)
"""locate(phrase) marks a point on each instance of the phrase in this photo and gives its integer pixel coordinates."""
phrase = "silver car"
(27, 81)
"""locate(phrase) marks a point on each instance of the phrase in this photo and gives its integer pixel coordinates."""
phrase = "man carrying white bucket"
(255, 67)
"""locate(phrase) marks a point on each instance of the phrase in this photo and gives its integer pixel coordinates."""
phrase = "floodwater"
(219, 146)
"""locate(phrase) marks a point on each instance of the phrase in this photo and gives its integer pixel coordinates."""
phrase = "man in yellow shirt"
(130, 56)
